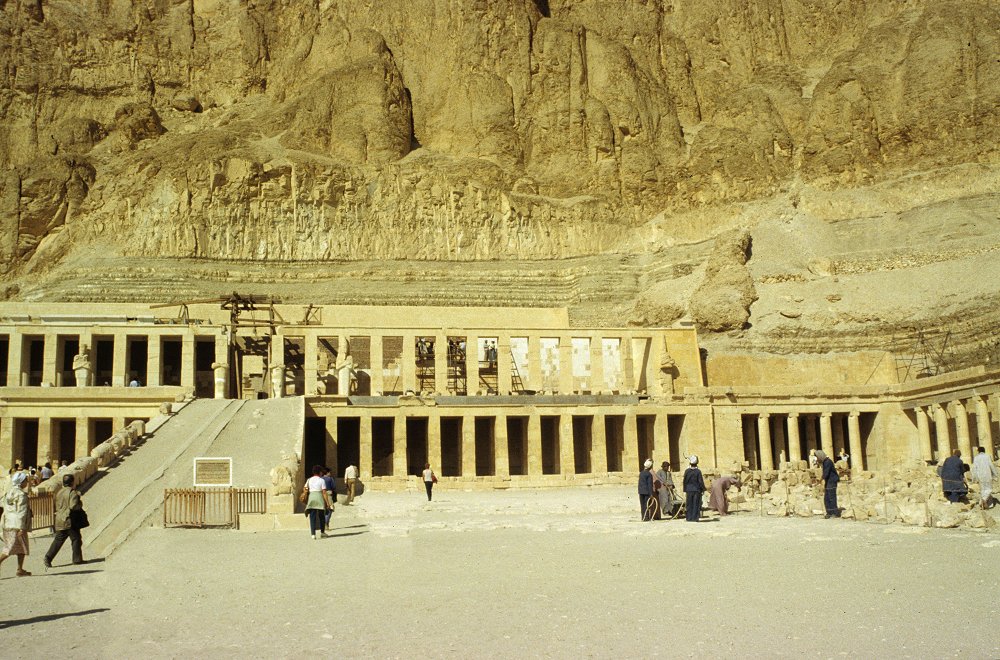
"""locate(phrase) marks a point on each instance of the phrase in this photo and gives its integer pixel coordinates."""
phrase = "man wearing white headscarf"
(16, 521)
(694, 486)
(984, 472)
(645, 489)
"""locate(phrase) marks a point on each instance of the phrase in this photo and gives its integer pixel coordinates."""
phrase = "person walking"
(16, 521)
(317, 501)
(952, 473)
(429, 480)
(331, 489)
(351, 478)
(830, 480)
(984, 472)
(645, 489)
(68, 500)
(694, 486)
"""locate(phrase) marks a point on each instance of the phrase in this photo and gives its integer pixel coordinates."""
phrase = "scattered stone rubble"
(910, 496)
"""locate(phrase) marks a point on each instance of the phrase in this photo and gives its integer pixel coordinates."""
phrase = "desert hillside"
(791, 175)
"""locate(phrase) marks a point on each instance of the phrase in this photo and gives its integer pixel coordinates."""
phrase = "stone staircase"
(124, 497)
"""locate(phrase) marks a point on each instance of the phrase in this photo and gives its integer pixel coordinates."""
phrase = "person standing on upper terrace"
(830, 480)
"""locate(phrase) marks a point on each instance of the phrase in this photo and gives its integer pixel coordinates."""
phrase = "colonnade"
(787, 439)
(942, 413)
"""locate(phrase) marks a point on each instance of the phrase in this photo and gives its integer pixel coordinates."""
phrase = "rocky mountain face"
(156, 148)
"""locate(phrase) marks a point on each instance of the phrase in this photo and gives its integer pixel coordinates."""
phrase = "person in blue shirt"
(645, 489)
(830, 481)
(331, 487)
(694, 486)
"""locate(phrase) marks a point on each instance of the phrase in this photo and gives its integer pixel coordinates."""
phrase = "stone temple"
(532, 243)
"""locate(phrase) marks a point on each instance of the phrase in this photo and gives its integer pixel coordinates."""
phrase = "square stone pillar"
(15, 370)
(187, 360)
(6, 444)
(503, 364)
(82, 447)
(628, 364)
(656, 350)
(794, 442)
(154, 344)
(501, 457)
(566, 364)
(441, 363)
(472, 365)
(534, 375)
(597, 383)
(49, 358)
(45, 451)
(631, 461)
(661, 440)
(764, 447)
(365, 448)
(534, 444)
(408, 367)
(567, 453)
(854, 438)
(311, 357)
(377, 370)
(983, 426)
(468, 446)
(434, 442)
(826, 435)
(599, 440)
(941, 429)
(924, 434)
(962, 431)
(399, 445)
(119, 368)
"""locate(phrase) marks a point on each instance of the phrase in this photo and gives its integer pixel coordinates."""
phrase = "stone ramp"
(259, 436)
(126, 495)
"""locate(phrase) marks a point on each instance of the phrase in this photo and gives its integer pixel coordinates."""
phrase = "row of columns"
(47, 440)
(830, 436)
(530, 373)
(533, 436)
(960, 413)
(120, 377)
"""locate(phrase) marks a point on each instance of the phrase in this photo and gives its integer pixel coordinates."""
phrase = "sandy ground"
(558, 573)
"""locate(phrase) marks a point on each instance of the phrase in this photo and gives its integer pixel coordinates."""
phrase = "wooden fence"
(211, 507)
(43, 510)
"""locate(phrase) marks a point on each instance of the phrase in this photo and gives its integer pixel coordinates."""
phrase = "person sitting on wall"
(952, 473)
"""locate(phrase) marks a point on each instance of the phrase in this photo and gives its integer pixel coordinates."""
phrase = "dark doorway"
(675, 426)
(104, 361)
(348, 444)
(136, 360)
(4, 359)
(382, 446)
(171, 358)
(65, 440)
(517, 445)
(100, 430)
(416, 445)
(26, 441)
(451, 447)
(614, 434)
(204, 377)
(582, 443)
(550, 444)
(750, 454)
(36, 360)
(314, 447)
(485, 447)
(644, 433)
(69, 347)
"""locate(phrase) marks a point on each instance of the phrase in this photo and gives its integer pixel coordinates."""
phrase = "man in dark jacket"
(67, 500)
(645, 490)
(830, 481)
(953, 477)
(694, 486)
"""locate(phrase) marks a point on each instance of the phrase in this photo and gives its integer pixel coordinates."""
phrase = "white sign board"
(213, 471)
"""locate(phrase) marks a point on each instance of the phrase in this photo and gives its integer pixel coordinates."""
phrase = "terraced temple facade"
(490, 397)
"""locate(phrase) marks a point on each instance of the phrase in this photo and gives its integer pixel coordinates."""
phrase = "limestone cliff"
(592, 142)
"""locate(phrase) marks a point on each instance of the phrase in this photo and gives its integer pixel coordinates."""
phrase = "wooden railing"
(211, 507)
(43, 510)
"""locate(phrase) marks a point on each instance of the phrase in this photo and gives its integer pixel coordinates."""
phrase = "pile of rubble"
(911, 496)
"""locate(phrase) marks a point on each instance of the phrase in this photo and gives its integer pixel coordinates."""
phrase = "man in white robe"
(984, 471)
